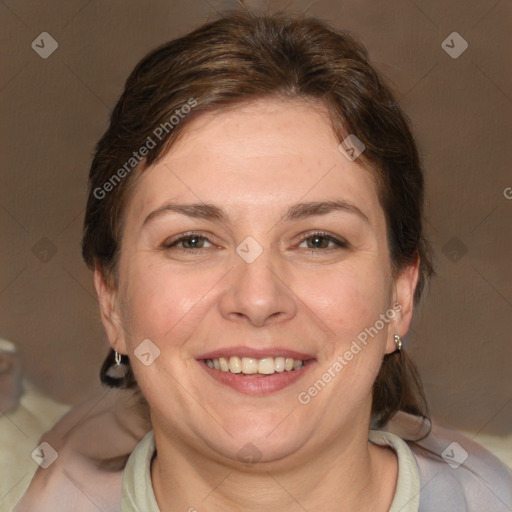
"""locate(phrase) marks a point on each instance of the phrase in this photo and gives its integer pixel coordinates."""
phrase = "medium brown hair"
(243, 57)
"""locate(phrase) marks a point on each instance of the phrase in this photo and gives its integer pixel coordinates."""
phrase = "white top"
(138, 495)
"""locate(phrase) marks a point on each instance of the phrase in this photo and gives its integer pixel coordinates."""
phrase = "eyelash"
(341, 244)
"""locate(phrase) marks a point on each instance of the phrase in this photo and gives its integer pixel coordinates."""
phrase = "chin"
(262, 441)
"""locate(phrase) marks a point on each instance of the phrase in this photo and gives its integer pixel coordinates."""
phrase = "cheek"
(160, 303)
(350, 302)
(347, 300)
(343, 301)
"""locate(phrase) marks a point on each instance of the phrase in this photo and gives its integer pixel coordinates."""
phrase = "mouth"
(253, 372)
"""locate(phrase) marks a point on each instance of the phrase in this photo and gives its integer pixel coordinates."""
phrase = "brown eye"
(188, 242)
(322, 240)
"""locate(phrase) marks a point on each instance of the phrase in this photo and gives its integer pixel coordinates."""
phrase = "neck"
(349, 474)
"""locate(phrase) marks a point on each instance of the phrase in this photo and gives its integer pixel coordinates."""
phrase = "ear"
(403, 303)
(110, 315)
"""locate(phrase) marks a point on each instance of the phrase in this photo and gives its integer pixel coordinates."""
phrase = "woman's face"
(258, 281)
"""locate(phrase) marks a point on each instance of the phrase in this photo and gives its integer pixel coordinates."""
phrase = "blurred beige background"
(54, 109)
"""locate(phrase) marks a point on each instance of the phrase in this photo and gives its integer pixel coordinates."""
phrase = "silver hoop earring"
(117, 358)
(398, 342)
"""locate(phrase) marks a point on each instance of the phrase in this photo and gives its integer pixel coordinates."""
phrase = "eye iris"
(316, 238)
(193, 237)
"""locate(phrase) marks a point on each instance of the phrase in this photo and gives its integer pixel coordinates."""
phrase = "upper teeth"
(249, 365)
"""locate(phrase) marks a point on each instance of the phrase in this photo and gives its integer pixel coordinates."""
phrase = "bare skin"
(255, 162)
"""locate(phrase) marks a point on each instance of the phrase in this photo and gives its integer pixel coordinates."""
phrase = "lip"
(255, 353)
(249, 385)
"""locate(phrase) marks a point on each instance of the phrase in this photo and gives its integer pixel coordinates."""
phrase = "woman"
(254, 224)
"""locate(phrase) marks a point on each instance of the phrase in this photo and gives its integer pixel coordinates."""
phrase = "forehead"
(255, 154)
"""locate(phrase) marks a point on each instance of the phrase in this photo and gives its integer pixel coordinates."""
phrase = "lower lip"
(258, 385)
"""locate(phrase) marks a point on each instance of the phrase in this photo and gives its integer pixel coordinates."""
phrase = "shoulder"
(456, 473)
(93, 442)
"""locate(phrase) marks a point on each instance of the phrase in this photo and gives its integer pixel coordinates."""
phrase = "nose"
(258, 293)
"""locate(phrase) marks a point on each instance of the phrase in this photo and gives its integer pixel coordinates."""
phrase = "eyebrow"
(295, 212)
